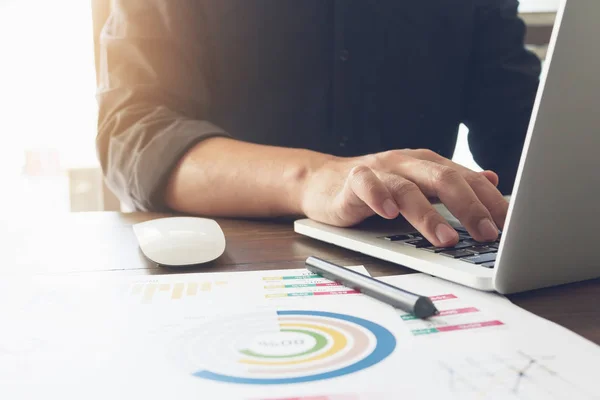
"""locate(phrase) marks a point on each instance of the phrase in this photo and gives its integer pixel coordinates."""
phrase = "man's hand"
(345, 191)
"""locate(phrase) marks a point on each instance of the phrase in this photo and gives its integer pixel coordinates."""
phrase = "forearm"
(226, 177)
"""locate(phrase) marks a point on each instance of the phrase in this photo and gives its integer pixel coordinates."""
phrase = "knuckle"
(446, 175)
(426, 154)
(395, 154)
(404, 188)
(364, 182)
(429, 216)
(370, 188)
(359, 171)
(374, 161)
(383, 161)
(474, 179)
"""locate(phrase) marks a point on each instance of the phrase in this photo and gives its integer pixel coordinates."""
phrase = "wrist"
(299, 177)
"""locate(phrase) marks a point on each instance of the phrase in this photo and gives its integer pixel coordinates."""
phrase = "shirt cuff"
(157, 160)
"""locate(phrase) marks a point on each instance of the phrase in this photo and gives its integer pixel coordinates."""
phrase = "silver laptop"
(552, 233)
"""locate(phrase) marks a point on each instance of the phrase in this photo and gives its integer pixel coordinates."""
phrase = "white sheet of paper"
(487, 347)
(276, 335)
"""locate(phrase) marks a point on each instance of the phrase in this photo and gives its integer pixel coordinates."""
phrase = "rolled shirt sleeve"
(152, 95)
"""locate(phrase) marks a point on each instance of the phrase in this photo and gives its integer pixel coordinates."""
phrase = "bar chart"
(147, 292)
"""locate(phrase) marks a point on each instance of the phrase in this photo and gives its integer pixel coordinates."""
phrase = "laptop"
(552, 232)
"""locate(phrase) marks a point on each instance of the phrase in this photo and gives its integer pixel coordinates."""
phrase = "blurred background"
(48, 110)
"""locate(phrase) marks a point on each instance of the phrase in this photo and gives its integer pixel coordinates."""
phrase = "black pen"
(419, 306)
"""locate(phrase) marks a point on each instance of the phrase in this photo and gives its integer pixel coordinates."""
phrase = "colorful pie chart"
(286, 347)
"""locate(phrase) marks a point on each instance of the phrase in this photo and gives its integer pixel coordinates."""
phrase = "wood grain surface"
(88, 243)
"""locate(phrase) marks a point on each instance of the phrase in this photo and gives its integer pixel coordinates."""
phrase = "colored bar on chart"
(302, 285)
(165, 287)
(300, 294)
(149, 291)
(205, 286)
(466, 310)
(177, 291)
(290, 277)
(426, 331)
(334, 293)
(192, 289)
(441, 329)
(275, 295)
(474, 325)
(304, 294)
(443, 297)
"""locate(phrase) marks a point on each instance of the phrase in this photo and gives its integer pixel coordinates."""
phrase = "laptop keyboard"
(467, 249)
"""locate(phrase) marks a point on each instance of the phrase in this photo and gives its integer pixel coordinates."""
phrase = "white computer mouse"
(180, 241)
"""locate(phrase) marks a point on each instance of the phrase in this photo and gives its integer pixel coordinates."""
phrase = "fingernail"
(390, 208)
(487, 229)
(445, 234)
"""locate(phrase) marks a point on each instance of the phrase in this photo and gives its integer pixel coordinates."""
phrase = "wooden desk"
(89, 243)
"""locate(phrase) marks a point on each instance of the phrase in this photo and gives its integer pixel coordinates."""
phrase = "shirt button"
(344, 55)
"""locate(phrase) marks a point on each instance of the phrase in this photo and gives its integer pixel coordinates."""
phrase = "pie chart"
(288, 346)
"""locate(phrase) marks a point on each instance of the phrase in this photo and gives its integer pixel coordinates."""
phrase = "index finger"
(451, 188)
(484, 189)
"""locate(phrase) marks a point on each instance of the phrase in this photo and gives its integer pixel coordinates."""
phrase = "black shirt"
(345, 77)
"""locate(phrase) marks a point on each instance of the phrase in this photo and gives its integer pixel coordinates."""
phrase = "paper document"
(282, 334)
(488, 347)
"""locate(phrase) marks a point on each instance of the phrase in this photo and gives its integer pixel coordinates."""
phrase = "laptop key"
(457, 253)
(418, 243)
(472, 242)
(490, 264)
(459, 245)
(399, 238)
(480, 258)
(482, 249)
